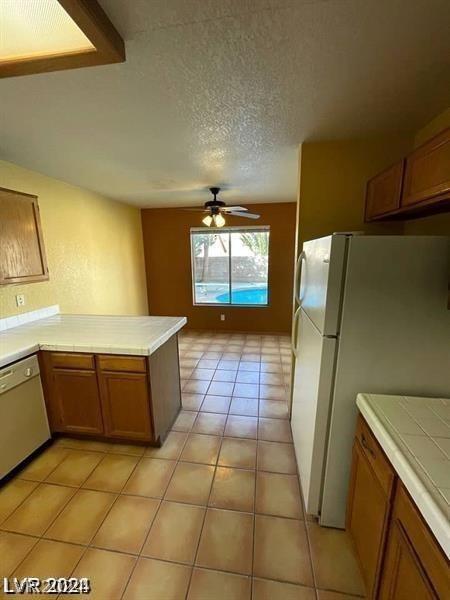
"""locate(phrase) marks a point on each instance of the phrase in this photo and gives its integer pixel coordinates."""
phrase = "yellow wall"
(94, 250)
(435, 224)
(333, 177)
(435, 126)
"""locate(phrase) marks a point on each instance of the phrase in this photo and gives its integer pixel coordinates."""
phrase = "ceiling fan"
(216, 210)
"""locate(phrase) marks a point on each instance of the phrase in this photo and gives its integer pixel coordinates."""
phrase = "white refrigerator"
(373, 317)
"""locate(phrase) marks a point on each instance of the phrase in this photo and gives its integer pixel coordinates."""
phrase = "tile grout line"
(308, 540)
(203, 522)
(255, 475)
(258, 399)
(41, 537)
(257, 350)
(161, 500)
(38, 482)
(88, 546)
(77, 489)
(138, 555)
(254, 527)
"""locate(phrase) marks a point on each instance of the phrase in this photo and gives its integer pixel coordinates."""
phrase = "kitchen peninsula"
(109, 377)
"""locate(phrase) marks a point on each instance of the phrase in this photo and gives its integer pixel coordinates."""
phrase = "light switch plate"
(222, 317)
(20, 300)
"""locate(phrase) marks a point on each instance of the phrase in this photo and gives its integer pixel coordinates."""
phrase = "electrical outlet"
(222, 317)
(20, 300)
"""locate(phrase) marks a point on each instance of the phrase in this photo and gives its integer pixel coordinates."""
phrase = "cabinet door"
(76, 394)
(415, 566)
(427, 171)
(367, 517)
(23, 254)
(383, 192)
(403, 575)
(126, 405)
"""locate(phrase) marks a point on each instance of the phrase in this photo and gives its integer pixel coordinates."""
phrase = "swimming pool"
(244, 296)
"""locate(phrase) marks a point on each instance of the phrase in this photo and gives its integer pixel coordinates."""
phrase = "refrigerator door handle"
(297, 279)
(295, 321)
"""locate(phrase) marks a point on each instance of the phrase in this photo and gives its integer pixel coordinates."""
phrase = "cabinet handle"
(366, 446)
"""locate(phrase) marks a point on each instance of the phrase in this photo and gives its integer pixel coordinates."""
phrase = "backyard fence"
(245, 269)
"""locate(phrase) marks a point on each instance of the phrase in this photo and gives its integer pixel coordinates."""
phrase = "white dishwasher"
(23, 417)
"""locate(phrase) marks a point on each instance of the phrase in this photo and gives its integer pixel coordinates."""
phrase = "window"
(230, 266)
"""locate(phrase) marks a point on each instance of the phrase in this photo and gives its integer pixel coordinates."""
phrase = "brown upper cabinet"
(417, 185)
(427, 172)
(384, 191)
(23, 258)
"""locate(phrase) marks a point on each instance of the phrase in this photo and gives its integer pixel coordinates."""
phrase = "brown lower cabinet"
(76, 401)
(127, 398)
(404, 575)
(399, 557)
(368, 510)
(125, 405)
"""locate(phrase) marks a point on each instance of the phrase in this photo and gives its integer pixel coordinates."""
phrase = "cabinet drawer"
(125, 364)
(72, 360)
(375, 455)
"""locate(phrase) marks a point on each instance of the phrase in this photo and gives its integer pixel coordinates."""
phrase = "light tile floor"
(215, 514)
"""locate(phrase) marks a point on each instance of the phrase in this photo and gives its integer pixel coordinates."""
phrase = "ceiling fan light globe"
(207, 220)
(219, 220)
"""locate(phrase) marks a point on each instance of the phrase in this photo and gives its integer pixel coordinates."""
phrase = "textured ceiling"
(223, 91)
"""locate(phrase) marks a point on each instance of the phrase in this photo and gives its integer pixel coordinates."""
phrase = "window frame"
(229, 230)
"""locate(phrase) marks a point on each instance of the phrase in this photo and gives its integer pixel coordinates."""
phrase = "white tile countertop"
(415, 435)
(88, 333)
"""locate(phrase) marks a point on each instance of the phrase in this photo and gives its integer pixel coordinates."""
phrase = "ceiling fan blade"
(196, 209)
(246, 215)
(236, 208)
